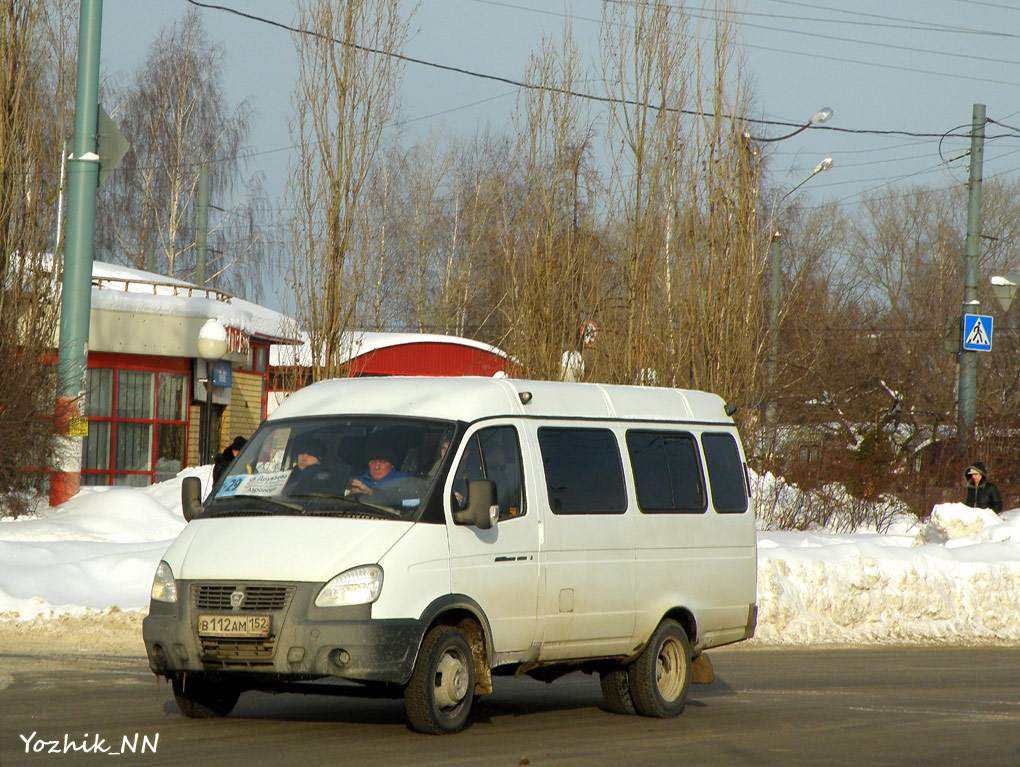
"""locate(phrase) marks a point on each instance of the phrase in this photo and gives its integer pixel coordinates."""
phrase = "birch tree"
(346, 93)
(176, 117)
(549, 269)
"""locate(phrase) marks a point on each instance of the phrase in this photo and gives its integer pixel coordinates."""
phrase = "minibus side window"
(494, 454)
(667, 472)
(725, 473)
(583, 471)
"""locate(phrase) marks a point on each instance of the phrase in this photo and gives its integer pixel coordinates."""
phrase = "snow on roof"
(124, 289)
(356, 343)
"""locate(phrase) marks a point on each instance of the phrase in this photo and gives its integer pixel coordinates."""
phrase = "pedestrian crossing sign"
(977, 333)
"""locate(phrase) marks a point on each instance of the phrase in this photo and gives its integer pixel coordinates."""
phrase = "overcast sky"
(916, 66)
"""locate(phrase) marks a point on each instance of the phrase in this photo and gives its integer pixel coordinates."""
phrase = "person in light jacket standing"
(981, 493)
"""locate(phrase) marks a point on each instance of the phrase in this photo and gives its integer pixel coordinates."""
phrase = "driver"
(308, 462)
(310, 451)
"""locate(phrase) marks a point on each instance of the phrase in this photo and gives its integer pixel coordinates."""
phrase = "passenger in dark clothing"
(981, 493)
(224, 459)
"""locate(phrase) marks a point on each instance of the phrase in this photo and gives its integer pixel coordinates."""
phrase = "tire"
(616, 691)
(661, 675)
(203, 698)
(439, 694)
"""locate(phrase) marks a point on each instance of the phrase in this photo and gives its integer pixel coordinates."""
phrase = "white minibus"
(418, 537)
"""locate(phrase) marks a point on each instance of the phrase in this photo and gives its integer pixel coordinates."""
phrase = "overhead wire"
(548, 88)
(921, 25)
(516, 83)
(854, 41)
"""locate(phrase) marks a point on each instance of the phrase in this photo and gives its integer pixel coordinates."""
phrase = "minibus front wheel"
(439, 694)
(200, 697)
(661, 675)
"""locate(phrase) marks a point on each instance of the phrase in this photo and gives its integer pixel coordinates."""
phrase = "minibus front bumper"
(302, 641)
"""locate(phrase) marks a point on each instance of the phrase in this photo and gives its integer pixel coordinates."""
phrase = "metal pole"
(775, 295)
(76, 290)
(200, 225)
(207, 423)
(968, 360)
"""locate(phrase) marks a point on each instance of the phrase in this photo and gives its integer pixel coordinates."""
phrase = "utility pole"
(775, 295)
(200, 224)
(76, 289)
(968, 359)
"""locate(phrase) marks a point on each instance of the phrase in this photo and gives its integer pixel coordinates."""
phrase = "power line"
(854, 41)
(553, 89)
(990, 5)
(393, 124)
(920, 26)
(609, 99)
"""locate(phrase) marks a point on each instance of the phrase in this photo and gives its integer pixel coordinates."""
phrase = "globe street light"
(212, 345)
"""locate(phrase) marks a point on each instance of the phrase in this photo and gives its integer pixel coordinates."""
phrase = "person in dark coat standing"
(981, 493)
(224, 459)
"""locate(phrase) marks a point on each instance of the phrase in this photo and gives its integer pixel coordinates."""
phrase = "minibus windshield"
(374, 466)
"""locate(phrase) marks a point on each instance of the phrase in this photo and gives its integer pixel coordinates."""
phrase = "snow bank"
(95, 552)
(953, 579)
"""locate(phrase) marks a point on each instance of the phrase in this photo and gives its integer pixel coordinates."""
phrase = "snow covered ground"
(954, 579)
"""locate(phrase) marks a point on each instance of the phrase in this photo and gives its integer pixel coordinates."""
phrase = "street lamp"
(821, 116)
(821, 167)
(776, 287)
(212, 345)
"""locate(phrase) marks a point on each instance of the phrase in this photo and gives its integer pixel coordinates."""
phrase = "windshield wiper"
(267, 499)
(351, 501)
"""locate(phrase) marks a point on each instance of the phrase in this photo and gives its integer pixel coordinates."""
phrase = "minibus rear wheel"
(661, 675)
(616, 690)
(439, 694)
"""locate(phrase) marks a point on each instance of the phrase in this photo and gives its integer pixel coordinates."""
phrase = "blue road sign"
(221, 373)
(977, 333)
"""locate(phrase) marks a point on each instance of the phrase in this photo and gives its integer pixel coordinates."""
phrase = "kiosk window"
(667, 472)
(583, 472)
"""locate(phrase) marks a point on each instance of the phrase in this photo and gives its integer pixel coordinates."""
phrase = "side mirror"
(482, 510)
(191, 497)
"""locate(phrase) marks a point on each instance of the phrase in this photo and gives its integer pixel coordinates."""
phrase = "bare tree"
(34, 112)
(411, 219)
(549, 263)
(346, 93)
(646, 66)
(176, 118)
(685, 204)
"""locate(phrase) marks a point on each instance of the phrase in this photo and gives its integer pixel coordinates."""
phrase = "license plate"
(233, 625)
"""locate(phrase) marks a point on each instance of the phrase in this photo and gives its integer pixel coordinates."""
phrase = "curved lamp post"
(775, 290)
(212, 345)
(822, 115)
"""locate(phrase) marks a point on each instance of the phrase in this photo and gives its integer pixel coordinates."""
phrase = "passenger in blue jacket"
(981, 493)
(381, 472)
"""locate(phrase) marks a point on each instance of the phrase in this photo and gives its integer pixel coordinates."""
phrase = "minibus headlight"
(358, 586)
(164, 587)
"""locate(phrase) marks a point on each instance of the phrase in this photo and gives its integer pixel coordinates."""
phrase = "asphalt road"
(789, 707)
